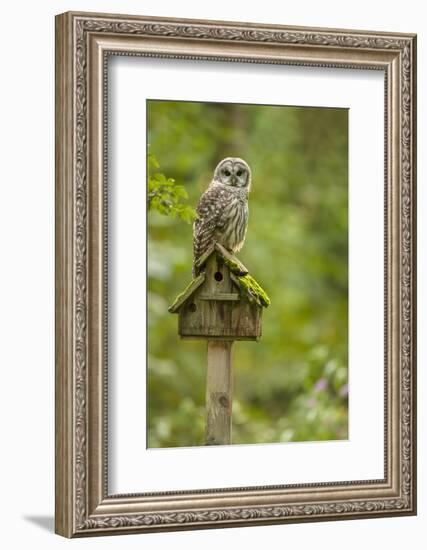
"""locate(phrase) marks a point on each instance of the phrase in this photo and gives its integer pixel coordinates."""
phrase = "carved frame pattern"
(83, 506)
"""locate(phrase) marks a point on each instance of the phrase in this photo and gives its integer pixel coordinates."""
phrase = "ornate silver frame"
(83, 42)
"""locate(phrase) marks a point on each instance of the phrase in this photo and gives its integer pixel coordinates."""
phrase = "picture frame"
(84, 42)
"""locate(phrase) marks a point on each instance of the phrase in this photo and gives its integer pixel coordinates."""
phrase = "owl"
(222, 212)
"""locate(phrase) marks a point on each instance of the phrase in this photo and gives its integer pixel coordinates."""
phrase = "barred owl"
(222, 212)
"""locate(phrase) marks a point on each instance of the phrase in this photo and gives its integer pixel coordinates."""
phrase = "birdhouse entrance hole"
(223, 302)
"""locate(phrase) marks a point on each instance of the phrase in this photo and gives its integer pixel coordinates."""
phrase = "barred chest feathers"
(222, 212)
(231, 232)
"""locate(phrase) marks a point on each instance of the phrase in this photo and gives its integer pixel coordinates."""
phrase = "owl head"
(234, 172)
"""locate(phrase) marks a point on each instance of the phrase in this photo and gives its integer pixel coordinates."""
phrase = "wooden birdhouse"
(223, 302)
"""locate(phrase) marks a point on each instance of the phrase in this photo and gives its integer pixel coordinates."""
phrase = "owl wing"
(210, 214)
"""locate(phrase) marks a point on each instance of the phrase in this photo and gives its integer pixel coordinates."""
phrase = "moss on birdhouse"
(253, 290)
(247, 283)
(236, 268)
(249, 288)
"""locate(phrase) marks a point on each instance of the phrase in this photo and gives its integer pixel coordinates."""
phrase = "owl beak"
(233, 179)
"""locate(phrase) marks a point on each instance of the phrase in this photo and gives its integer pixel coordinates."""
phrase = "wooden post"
(222, 304)
(219, 393)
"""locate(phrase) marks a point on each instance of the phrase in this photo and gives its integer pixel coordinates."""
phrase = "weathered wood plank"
(225, 296)
(234, 263)
(202, 259)
(217, 318)
(219, 393)
(239, 320)
(180, 299)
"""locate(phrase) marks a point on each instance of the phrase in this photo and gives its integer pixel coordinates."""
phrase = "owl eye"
(227, 172)
(239, 173)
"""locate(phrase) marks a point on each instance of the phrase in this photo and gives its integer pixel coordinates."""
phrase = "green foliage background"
(292, 385)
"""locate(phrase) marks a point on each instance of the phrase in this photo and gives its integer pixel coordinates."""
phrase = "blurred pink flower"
(321, 385)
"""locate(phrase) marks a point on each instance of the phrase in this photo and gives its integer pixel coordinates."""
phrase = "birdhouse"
(223, 302)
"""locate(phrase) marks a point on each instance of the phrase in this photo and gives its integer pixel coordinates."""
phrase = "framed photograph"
(235, 274)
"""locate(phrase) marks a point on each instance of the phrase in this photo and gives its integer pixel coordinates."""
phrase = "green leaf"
(164, 195)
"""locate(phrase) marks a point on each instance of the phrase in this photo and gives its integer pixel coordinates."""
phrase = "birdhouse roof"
(248, 286)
